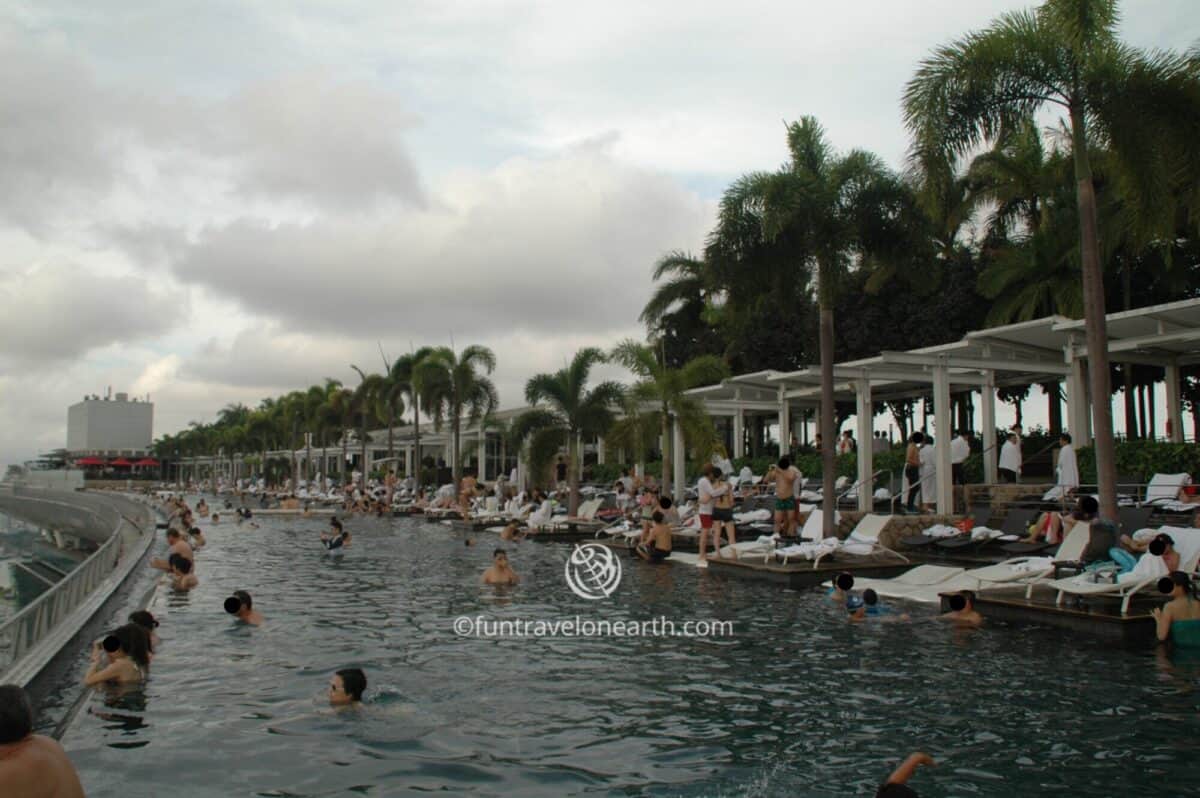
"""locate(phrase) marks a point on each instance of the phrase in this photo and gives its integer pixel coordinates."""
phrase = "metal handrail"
(20, 633)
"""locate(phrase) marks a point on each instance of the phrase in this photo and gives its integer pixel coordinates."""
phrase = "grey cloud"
(56, 313)
(560, 245)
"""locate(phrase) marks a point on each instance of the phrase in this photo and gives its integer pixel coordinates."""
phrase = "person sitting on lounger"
(897, 784)
(659, 546)
(1053, 527)
(962, 610)
(500, 573)
(1179, 619)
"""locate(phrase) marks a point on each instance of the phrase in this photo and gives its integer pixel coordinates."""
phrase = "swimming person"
(500, 573)
(148, 622)
(128, 650)
(962, 610)
(337, 538)
(198, 540)
(510, 532)
(1179, 619)
(182, 577)
(177, 547)
(31, 765)
(347, 687)
(896, 785)
(841, 586)
(658, 548)
(241, 606)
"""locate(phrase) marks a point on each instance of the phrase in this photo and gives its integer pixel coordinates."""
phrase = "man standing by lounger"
(1068, 467)
(786, 477)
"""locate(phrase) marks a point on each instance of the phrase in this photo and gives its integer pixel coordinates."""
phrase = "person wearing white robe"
(1010, 459)
(1068, 467)
(928, 474)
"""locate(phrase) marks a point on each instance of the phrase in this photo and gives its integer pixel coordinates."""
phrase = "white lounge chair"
(1033, 570)
(922, 583)
(1187, 544)
(1163, 490)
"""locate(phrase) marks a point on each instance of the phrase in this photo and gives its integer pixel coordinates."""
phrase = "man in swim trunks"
(786, 477)
(178, 546)
(31, 765)
(501, 573)
(659, 547)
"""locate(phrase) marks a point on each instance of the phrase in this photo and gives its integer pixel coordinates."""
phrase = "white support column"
(784, 433)
(482, 455)
(677, 453)
(408, 461)
(941, 419)
(739, 434)
(866, 454)
(1078, 412)
(521, 479)
(987, 396)
(1174, 404)
(600, 450)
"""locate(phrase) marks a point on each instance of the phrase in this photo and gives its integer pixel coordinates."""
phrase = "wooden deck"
(1098, 618)
(802, 574)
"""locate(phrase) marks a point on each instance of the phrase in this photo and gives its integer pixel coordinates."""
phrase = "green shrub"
(1141, 460)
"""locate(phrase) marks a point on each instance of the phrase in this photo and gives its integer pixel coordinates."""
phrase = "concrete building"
(110, 427)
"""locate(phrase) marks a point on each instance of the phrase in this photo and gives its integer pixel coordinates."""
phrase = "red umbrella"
(146, 461)
(122, 462)
(90, 461)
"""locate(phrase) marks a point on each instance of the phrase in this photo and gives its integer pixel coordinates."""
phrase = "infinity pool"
(797, 702)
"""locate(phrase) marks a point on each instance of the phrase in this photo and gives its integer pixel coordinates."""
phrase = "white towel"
(943, 531)
(1149, 567)
(1032, 565)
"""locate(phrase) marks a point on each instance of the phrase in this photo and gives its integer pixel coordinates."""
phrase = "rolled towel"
(1032, 565)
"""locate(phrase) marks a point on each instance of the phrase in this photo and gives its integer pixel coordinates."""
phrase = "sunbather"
(1179, 619)
(1053, 527)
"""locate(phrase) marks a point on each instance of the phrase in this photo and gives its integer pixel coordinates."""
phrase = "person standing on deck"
(1068, 467)
(928, 473)
(786, 476)
(912, 469)
(1010, 459)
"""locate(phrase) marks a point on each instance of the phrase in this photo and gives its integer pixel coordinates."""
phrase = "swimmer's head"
(1177, 583)
(173, 535)
(962, 601)
(854, 603)
(16, 714)
(143, 619)
(844, 581)
(347, 686)
(500, 556)
(336, 524)
(664, 502)
(870, 597)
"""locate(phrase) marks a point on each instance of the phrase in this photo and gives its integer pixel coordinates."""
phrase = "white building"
(116, 427)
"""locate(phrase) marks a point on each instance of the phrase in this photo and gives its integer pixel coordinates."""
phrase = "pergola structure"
(1050, 349)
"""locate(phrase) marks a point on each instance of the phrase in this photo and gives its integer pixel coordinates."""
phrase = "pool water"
(796, 702)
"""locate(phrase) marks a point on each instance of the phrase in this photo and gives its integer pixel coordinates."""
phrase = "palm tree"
(451, 383)
(832, 211)
(1066, 54)
(572, 411)
(371, 389)
(407, 375)
(665, 388)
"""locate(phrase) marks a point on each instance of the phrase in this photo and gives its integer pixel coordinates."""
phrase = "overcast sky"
(219, 201)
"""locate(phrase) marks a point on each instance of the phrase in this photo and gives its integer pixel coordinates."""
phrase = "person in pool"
(202, 509)
(216, 519)
(177, 547)
(896, 785)
(962, 610)
(1178, 621)
(241, 606)
(148, 622)
(128, 657)
(182, 577)
(500, 572)
(198, 541)
(31, 766)
(346, 687)
(337, 537)
(511, 532)
(841, 587)
(658, 548)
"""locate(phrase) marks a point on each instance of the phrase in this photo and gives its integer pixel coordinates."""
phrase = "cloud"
(555, 245)
(60, 312)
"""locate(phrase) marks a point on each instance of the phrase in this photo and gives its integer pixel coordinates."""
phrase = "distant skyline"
(220, 201)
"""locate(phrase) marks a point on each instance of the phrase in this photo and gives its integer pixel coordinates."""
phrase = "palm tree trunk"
(828, 444)
(323, 461)
(1096, 323)
(416, 439)
(363, 462)
(391, 446)
(1055, 406)
(572, 473)
(665, 484)
(455, 452)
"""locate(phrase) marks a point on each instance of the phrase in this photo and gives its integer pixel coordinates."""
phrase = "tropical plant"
(452, 383)
(665, 389)
(1143, 106)
(407, 376)
(571, 410)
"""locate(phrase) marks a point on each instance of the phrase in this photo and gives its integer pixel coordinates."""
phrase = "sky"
(213, 201)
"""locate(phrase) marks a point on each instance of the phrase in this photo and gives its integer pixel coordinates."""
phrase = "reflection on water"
(798, 702)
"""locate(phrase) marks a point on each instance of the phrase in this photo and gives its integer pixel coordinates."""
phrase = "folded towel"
(1149, 567)
(943, 531)
(1032, 565)
(752, 516)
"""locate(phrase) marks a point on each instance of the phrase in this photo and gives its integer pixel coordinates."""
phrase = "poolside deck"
(802, 574)
(1096, 618)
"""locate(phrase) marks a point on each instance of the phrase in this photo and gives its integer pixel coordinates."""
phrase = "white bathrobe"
(928, 474)
(1068, 468)
(1010, 457)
